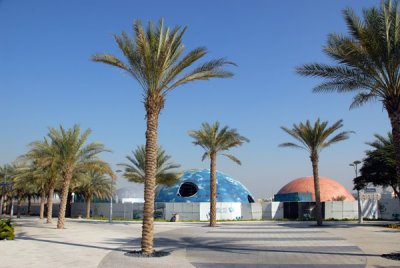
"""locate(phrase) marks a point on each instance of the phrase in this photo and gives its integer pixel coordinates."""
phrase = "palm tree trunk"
(29, 204)
(4, 208)
(395, 122)
(68, 207)
(19, 200)
(64, 196)
(50, 202)
(42, 201)
(396, 192)
(213, 191)
(152, 112)
(314, 162)
(88, 199)
(10, 204)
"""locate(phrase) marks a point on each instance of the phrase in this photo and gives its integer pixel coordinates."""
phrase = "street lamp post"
(360, 218)
(111, 199)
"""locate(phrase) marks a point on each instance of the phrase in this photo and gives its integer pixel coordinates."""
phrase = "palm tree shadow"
(228, 246)
(22, 236)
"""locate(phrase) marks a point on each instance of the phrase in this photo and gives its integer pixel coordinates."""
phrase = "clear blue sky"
(46, 80)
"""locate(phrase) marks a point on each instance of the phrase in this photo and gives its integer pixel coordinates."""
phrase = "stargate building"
(194, 186)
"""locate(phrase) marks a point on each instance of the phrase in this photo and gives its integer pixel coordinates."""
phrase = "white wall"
(341, 210)
(251, 211)
(234, 211)
(389, 208)
(272, 210)
(225, 211)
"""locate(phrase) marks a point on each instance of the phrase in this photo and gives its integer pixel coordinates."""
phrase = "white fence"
(371, 209)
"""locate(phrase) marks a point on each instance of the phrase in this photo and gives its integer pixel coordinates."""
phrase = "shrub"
(6, 230)
(339, 198)
(393, 226)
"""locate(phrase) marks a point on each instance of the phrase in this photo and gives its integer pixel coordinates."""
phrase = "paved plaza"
(86, 243)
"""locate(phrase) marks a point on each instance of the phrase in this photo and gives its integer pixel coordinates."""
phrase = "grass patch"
(118, 219)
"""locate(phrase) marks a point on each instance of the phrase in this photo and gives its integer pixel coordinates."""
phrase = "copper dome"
(329, 189)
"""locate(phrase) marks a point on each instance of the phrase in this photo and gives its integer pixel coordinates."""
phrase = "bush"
(394, 226)
(6, 230)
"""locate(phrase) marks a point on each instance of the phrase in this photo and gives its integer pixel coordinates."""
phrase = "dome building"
(329, 189)
(194, 186)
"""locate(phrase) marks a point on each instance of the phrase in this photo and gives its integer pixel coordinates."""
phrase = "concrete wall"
(125, 211)
(341, 210)
(389, 209)
(272, 210)
(35, 209)
(186, 211)
(384, 208)
(225, 211)
(251, 211)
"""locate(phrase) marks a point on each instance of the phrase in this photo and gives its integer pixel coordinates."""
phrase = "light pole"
(111, 198)
(360, 218)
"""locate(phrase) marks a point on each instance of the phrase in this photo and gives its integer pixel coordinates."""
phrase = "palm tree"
(73, 156)
(368, 62)
(313, 139)
(93, 183)
(44, 155)
(154, 58)
(135, 171)
(27, 182)
(6, 173)
(214, 141)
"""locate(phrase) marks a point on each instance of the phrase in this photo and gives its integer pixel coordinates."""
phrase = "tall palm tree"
(136, 170)
(93, 183)
(44, 155)
(313, 139)
(214, 141)
(154, 58)
(367, 62)
(72, 156)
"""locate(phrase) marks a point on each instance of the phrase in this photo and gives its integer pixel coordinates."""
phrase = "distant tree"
(339, 198)
(313, 139)
(368, 63)
(92, 184)
(154, 57)
(135, 171)
(26, 183)
(379, 167)
(44, 156)
(72, 156)
(214, 141)
(6, 180)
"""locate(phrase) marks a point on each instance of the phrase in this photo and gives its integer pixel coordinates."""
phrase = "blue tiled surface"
(228, 189)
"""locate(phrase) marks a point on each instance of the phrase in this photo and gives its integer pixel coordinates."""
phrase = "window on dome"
(251, 200)
(188, 189)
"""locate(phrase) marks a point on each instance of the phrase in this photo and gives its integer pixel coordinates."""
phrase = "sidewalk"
(86, 243)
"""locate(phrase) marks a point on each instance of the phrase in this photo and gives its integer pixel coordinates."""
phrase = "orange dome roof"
(329, 189)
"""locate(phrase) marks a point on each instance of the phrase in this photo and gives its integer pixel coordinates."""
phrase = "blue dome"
(194, 186)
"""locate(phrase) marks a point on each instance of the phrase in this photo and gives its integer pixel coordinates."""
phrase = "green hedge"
(6, 230)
